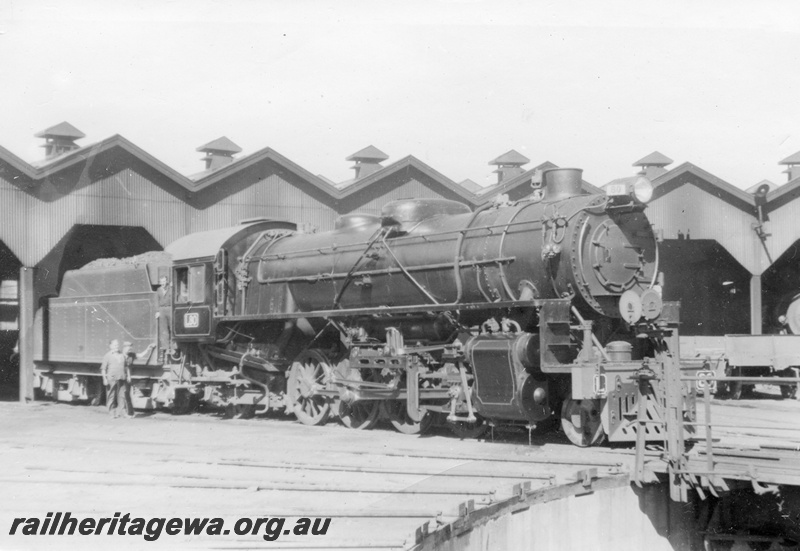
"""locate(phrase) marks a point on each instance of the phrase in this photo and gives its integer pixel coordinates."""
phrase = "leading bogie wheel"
(395, 411)
(467, 430)
(581, 422)
(306, 377)
(359, 414)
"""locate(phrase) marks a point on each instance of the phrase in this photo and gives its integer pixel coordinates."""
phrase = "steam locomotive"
(514, 314)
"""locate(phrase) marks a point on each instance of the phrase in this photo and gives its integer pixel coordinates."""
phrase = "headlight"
(643, 190)
(637, 187)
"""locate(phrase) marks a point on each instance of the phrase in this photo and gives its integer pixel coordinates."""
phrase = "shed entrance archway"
(780, 285)
(81, 245)
(714, 289)
(84, 243)
(9, 323)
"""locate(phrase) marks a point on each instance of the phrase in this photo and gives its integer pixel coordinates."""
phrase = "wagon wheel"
(580, 420)
(732, 389)
(97, 391)
(395, 411)
(788, 390)
(306, 377)
(735, 388)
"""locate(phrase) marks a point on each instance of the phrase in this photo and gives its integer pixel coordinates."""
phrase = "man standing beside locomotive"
(115, 376)
(130, 356)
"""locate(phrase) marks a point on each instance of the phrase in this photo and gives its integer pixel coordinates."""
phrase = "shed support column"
(755, 305)
(27, 311)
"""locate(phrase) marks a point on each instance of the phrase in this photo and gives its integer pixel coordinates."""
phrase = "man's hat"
(127, 343)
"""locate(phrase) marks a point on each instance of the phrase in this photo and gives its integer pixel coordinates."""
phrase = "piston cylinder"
(508, 383)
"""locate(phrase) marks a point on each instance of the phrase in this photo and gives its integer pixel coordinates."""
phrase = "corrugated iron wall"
(31, 226)
(784, 228)
(699, 215)
(411, 189)
(271, 197)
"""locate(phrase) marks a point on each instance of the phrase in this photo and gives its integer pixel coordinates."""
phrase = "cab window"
(190, 285)
(197, 284)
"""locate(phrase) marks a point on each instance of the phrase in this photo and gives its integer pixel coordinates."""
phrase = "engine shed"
(735, 271)
(728, 254)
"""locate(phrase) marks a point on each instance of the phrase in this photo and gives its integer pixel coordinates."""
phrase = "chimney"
(60, 139)
(652, 166)
(219, 153)
(560, 183)
(792, 163)
(368, 161)
(509, 165)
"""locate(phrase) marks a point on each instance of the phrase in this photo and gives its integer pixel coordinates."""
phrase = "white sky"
(456, 83)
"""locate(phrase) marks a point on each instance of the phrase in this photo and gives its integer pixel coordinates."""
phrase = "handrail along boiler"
(513, 314)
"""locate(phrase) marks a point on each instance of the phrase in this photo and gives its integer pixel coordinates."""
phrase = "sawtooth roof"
(687, 173)
(471, 186)
(197, 190)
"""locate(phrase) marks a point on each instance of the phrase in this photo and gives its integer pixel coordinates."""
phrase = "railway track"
(377, 486)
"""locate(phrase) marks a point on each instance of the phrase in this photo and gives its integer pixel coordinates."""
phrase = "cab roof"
(206, 243)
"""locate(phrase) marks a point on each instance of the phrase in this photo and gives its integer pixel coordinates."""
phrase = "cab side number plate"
(191, 319)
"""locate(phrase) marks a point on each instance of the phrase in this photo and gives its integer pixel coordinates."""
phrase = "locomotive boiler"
(509, 315)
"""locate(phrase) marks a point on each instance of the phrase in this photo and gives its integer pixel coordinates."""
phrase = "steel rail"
(378, 470)
(762, 380)
(745, 427)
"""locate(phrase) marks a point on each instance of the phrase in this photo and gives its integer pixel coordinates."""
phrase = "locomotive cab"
(202, 275)
(192, 293)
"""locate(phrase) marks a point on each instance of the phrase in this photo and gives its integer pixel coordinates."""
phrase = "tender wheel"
(468, 431)
(395, 412)
(306, 377)
(580, 420)
(360, 415)
(97, 391)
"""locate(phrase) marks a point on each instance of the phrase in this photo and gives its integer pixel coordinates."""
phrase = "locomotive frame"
(427, 313)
